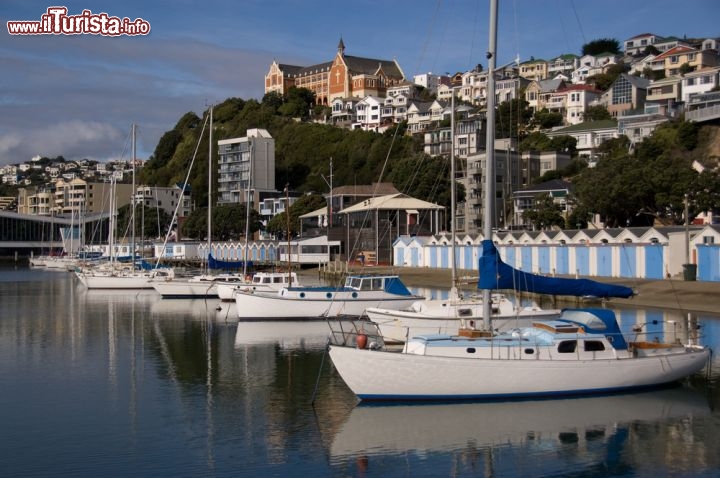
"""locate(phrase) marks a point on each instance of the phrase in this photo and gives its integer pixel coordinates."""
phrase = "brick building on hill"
(344, 77)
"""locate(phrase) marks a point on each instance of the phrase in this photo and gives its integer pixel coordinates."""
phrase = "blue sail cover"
(495, 274)
(226, 265)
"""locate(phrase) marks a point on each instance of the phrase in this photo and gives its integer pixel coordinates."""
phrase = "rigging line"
(474, 35)
(572, 3)
(440, 50)
(423, 51)
(185, 183)
(564, 30)
(517, 35)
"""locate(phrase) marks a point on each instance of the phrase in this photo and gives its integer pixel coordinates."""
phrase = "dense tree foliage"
(545, 214)
(601, 45)
(150, 222)
(627, 188)
(539, 141)
(546, 119)
(228, 223)
(512, 116)
(596, 113)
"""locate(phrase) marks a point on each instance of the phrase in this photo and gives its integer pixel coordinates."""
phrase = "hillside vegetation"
(303, 152)
(630, 184)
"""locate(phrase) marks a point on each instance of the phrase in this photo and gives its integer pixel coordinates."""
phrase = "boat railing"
(360, 333)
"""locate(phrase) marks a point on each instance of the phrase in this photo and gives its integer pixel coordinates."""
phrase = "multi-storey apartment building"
(246, 163)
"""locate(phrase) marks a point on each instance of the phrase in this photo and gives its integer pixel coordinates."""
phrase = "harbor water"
(104, 383)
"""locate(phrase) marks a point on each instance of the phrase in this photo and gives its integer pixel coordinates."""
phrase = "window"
(594, 346)
(567, 346)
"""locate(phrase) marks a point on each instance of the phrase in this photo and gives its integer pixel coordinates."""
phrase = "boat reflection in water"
(586, 432)
(195, 308)
(286, 334)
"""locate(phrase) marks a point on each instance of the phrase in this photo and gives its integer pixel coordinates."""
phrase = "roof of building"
(552, 185)
(393, 202)
(587, 126)
(365, 190)
(369, 66)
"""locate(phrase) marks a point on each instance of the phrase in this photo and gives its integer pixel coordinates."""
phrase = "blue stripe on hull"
(511, 396)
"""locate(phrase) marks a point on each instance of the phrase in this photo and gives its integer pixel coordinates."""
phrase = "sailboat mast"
(132, 216)
(453, 282)
(247, 209)
(209, 219)
(489, 209)
(287, 215)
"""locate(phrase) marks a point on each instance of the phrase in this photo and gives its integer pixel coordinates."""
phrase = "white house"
(638, 43)
(699, 82)
(578, 98)
(367, 113)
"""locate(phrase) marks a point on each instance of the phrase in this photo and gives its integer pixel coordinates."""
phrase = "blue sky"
(77, 96)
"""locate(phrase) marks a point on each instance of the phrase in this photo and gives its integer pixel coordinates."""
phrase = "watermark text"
(57, 22)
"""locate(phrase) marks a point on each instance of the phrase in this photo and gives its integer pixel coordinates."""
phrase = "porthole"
(328, 295)
(470, 350)
(529, 351)
(302, 295)
(354, 295)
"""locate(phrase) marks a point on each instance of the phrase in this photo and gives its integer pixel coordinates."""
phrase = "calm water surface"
(128, 384)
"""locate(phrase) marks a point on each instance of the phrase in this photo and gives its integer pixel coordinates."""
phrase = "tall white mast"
(209, 220)
(132, 216)
(489, 209)
(453, 281)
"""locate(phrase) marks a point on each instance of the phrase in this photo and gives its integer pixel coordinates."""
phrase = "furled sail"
(495, 274)
(226, 265)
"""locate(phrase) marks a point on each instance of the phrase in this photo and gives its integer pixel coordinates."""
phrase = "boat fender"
(361, 341)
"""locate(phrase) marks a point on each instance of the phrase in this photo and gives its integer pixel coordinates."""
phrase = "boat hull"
(129, 281)
(312, 306)
(179, 289)
(375, 375)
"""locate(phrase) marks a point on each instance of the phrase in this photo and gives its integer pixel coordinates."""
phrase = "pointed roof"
(390, 202)
(373, 189)
(677, 50)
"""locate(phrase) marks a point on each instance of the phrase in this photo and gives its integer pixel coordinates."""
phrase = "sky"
(77, 96)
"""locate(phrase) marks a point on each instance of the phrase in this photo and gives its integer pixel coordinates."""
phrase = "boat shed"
(372, 225)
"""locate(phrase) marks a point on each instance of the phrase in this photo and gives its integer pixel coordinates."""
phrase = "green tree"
(228, 223)
(150, 222)
(601, 45)
(545, 213)
(536, 141)
(278, 224)
(547, 119)
(685, 68)
(596, 113)
(512, 116)
(298, 103)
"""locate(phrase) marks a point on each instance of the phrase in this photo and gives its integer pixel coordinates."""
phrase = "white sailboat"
(114, 275)
(259, 282)
(307, 303)
(582, 352)
(203, 285)
(443, 315)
